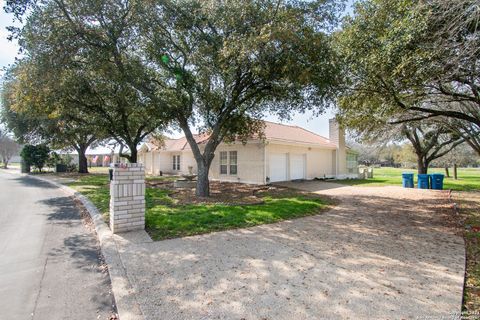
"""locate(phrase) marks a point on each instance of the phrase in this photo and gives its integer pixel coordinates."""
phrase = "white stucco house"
(286, 153)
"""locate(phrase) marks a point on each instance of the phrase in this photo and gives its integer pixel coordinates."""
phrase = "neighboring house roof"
(176, 144)
(274, 132)
(149, 146)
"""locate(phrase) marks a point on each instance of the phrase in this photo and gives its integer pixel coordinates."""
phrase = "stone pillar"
(127, 197)
(337, 136)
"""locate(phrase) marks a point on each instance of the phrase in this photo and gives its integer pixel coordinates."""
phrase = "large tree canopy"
(90, 49)
(217, 66)
(223, 64)
(404, 56)
(35, 114)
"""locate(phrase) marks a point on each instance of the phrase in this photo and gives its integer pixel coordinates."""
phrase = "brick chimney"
(337, 136)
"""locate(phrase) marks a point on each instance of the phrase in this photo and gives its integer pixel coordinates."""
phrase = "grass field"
(164, 219)
(468, 178)
(170, 221)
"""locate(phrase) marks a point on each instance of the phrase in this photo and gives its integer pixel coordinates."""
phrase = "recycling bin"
(437, 181)
(423, 181)
(407, 180)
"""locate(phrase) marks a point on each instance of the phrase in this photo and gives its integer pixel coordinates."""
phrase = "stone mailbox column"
(127, 197)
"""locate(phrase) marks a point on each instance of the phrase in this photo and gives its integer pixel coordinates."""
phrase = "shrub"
(61, 159)
(36, 156)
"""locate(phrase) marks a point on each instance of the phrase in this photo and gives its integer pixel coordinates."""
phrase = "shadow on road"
(35, 183)
(81, 244)
(77, 252)
(63, 209)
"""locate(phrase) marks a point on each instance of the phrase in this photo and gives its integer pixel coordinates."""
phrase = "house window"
(233, 162)
(228, 162)
(223, 162)
(176, 162)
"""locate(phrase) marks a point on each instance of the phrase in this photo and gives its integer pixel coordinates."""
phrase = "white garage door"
(297, 166)
(278, 167)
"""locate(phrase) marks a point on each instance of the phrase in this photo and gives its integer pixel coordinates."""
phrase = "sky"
(8, 49)
(315, 123)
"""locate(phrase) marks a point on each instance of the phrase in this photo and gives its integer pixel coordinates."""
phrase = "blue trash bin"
(407, 180)
(423, 182)
(437, 181)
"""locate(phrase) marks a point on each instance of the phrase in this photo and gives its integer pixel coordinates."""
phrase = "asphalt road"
(50, 266)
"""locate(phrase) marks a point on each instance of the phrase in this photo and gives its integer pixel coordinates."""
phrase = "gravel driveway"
(382, 253)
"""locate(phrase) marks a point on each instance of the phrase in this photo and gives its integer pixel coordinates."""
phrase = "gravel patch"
(381, 253)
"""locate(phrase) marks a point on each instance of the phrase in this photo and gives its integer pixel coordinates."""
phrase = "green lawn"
(96, 188)
(468, 178)
(166, 220)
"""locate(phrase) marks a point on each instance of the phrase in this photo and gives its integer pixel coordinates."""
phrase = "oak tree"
(36, 114)
(419, 58)
(90, 48)
(223, 65)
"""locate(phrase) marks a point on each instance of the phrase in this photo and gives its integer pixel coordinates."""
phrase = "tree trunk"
(203, 184)
(132, 157)
(455, 176)
(422, 167)
(203, 160)
(82, 161)
(447, 173)
(133, 154)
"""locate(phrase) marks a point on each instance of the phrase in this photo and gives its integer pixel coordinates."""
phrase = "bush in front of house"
(35, 155)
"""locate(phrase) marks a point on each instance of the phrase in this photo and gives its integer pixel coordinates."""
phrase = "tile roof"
(274, 132)
(294, 134)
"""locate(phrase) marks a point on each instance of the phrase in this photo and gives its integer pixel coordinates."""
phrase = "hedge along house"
(285, 153)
